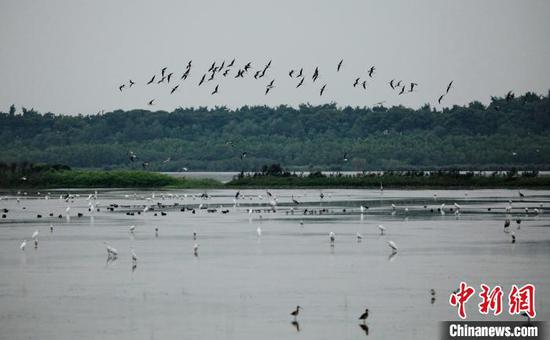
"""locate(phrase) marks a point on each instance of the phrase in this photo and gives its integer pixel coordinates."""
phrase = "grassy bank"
(404, 180)
(58, 176)
(101, 179)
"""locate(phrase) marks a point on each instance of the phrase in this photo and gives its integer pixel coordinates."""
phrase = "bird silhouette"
(440, 98)
(322, 90)
(356, 82)
(391, 84)
(301, 73)
(339, 65)
(371, 71)
(449, 86)
(212, 67)
(185, 75)
(189, 64)
(402, 90)
(121, 87)
(231, 63)
(364, 84)
(364, 316)
(174, 89)
(290, 73)
(169, 76)
(315, 74)
(412, 87)
(131, 83)
(247, 66)
(300, 83)
(509, 96)
(226, 72)
(162, 71)
(151, 81)
(215, 90)
(151, 102)
(202, 79)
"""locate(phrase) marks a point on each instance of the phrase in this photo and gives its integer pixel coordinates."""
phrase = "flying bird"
(449, 86)
(322, 90)
(391, 84)
(356, 82)
(151, 102)
(412, 86)
(151, 81)
(440, 98)
(215, 90)
(131, 83)
(300, 83)
(162, 71)
(202, 79)
(121, 87)
(371, 71)
(339, 65)
(174, 89)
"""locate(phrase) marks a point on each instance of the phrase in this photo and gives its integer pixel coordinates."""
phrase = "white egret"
(393, 246)
(382, 229)
(332, 237)
(259, 231)
(23, 245)
(35, 234)
(132, 228)
(134, 256)
(359, 237)
(111, 252)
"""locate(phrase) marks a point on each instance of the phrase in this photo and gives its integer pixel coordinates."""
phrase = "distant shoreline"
(141, 179)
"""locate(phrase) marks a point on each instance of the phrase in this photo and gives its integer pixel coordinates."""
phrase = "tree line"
(502, 135)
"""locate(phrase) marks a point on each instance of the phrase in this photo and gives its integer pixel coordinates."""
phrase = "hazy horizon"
(70, 57)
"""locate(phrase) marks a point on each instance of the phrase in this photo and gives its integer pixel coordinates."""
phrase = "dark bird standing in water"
(296, 312)
(364, 316)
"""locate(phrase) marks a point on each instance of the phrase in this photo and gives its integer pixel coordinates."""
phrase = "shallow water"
(241, 286)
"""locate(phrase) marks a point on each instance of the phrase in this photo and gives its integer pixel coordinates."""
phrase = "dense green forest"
(502, 135)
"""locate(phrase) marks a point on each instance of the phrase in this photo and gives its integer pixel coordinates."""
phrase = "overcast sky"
(70, 56)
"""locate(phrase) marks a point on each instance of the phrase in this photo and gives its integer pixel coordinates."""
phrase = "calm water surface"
(241, 286)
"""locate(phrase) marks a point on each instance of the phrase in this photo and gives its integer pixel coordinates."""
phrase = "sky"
(70, 56)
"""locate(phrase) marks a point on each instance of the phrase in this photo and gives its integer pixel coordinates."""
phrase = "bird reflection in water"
(296, 325)
(392, 256)
(365, 328)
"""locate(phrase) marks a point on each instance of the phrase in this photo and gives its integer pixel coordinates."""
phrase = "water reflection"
(365, 328)
(296, 325)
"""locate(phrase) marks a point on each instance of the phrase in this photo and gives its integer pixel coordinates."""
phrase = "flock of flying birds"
(230, 69)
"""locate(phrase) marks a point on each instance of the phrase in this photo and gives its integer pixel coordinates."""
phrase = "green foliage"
(45, 176)
(504, 134)
(393, 179)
